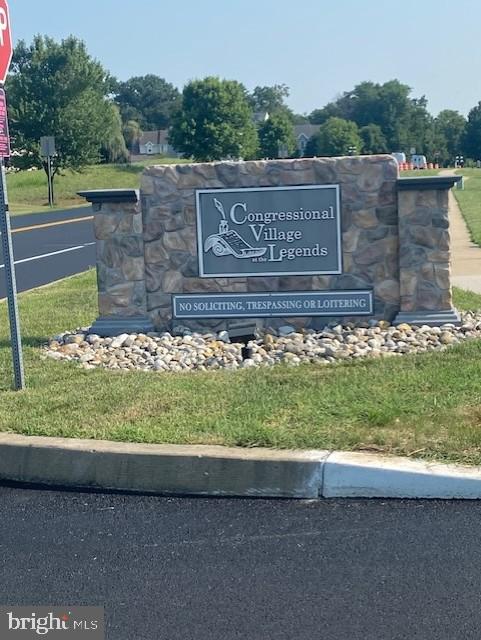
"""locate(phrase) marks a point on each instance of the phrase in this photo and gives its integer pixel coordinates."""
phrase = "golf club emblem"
(228, 242)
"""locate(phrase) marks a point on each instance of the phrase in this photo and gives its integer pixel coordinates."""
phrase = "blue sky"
(319, 48)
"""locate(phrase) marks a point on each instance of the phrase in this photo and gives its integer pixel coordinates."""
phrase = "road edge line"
(46, 225)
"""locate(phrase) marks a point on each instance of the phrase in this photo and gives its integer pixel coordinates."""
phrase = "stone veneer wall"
(120, 258)
(425, 275)
(370, 241)
(395, 241)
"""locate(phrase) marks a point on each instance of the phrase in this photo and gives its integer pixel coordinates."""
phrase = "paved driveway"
(200, 569)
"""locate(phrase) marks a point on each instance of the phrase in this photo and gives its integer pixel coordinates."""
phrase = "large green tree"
(373, 139)
(472, 134)
(419, 131)
(113, 147)
(449, 129)
(336, 137)
(215, 121)
(270, 99)
(276, 137)
(404, 121)
(149, 100)
(57, 89)
(319, 116)
(132, 133)
(314, 146)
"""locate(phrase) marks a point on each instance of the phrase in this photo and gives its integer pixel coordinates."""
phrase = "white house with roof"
(156, 143)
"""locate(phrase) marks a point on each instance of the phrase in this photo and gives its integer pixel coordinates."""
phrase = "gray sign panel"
(259, 305)
(47, 146)
(269, 231)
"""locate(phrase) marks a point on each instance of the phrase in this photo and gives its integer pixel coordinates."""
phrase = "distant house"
(156, 143)
(302, 133)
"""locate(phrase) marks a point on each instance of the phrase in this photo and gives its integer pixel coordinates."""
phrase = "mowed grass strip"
(27, 190)
(427, 405)
(419, 173)
(469, 200)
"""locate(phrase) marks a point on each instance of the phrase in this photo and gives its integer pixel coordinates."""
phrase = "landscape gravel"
(164, 352)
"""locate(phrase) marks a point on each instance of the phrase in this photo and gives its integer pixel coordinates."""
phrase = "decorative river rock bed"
(164, 352)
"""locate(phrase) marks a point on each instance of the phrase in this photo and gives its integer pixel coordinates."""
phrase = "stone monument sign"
(212, 245)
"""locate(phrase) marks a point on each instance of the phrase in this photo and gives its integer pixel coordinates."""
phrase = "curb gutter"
(223, 471)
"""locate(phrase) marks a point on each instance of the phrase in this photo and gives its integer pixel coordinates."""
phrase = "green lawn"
(27, 190)
(427, 405)
(416, 173)
(469, 200)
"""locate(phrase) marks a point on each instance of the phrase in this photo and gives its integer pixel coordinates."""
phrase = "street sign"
(4, 134)
(6, 49)
(47, 146)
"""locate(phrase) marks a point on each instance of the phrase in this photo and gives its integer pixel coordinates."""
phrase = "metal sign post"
(50, 182)
(47, 150)
(11, 284)
(7, 247)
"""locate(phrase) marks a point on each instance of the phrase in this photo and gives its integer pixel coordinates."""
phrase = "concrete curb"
(363, 475)
(173, 469)
(222, 471)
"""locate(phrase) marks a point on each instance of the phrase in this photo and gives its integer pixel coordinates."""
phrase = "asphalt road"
(50, 246)
(200, 569)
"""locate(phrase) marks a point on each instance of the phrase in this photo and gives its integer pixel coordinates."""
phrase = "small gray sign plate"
(271, 305)
(269, 231)
(47, 146)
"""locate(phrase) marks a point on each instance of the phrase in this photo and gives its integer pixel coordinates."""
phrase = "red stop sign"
(5, 41)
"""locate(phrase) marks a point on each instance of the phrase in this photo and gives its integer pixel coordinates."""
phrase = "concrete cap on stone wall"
(432, 183)
(99, 196)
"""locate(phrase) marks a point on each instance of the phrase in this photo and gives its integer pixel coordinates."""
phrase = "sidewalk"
(465, 255)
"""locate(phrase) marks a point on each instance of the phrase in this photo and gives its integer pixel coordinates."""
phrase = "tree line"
(57, 88)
